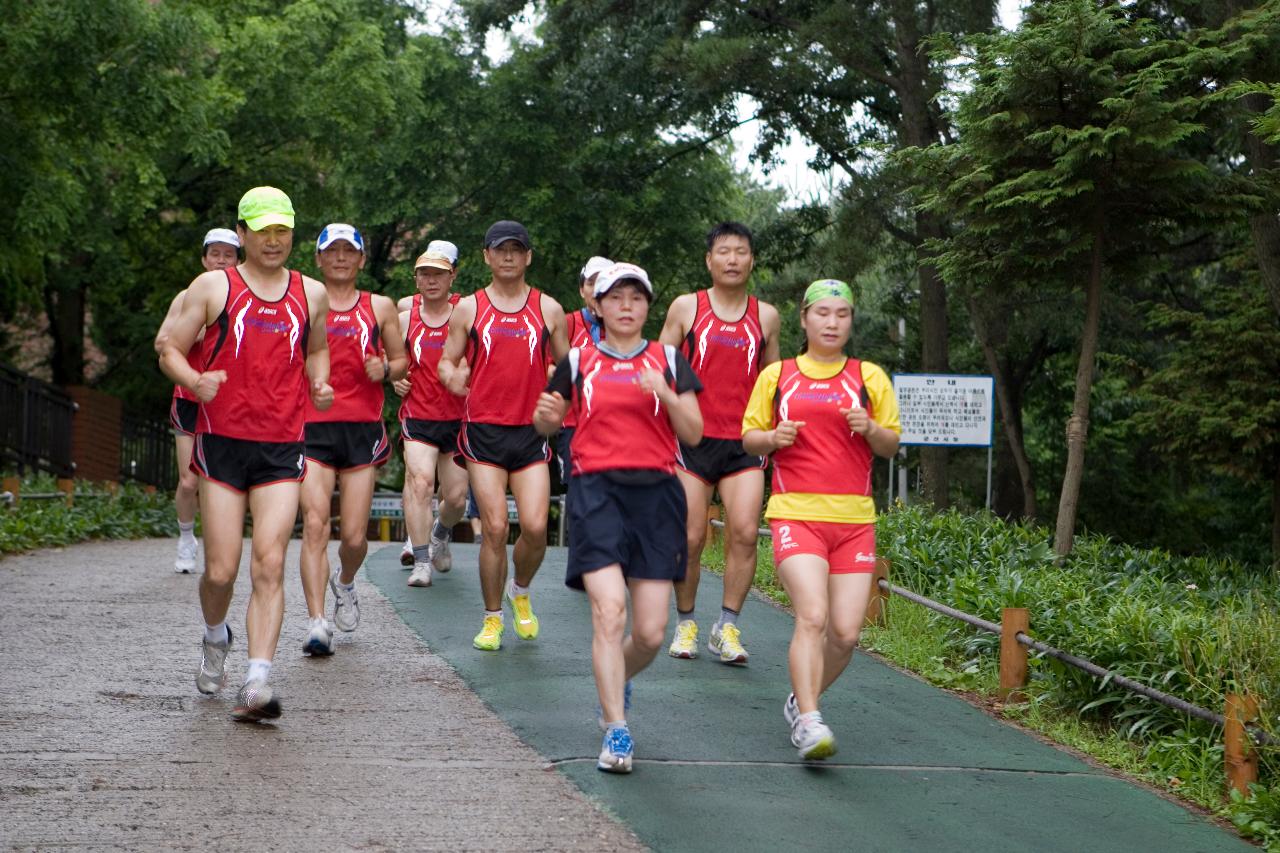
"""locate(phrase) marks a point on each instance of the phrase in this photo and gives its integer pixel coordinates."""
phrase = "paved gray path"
(105, 743)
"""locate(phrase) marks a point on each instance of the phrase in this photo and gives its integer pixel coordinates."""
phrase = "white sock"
(217, 634)
(408, 543)
(516, 589)
(187, 529)
(259, 668)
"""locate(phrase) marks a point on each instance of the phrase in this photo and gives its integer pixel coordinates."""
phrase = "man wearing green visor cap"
(260, 365)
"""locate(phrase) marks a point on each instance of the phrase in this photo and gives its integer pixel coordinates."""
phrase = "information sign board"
(945, 410)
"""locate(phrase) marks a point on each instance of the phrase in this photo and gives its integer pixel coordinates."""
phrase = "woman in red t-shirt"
(633, 398)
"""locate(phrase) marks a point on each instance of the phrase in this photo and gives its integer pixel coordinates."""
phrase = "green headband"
(825, 287)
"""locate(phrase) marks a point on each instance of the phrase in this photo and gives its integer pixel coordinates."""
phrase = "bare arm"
(206, 295)
(392, 337)
(166, 325)
(402, 385)
(553, 315)
(762, 442)
(884, 442)
(771, 325)
(404, 304)
(318, 344)
(454, 372)
(679, 319)
(548, 414)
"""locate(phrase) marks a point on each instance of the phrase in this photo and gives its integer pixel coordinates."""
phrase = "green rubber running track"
(918, 769)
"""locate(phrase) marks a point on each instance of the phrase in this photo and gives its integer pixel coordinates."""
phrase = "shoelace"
(524, 610)
(688, 633)
(729, 636)
(618, 741)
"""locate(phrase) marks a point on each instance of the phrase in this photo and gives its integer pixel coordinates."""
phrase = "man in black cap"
(510, 334)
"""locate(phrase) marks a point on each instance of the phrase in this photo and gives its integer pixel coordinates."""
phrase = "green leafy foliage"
(131, 513)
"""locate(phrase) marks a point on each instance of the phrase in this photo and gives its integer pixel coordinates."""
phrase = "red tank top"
(195, 358)
(353, 336)
(621, 427)
(508, 354)
(827, 458)
(725, 356)
(427, 399)
(579, 336)
(263, 348)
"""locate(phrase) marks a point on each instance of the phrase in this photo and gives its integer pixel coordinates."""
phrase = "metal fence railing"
(35, 424)
(147, 451)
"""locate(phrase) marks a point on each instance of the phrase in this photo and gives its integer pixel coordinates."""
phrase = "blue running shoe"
(616, 751)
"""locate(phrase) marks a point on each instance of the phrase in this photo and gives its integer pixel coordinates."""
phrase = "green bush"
(130, 514)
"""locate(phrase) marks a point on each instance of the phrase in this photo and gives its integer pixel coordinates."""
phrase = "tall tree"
(1071, 166)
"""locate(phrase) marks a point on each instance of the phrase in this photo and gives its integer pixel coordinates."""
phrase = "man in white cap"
(584, 330)
(440, 250)
(221, 250)
(260, 370)
(430, 417)
(347, 442)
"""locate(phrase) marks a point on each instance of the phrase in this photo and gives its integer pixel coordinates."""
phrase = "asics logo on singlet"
(270, 311)
(342, 318)
(784, 537)
(507, 320)
(820, 385)
(622, 365)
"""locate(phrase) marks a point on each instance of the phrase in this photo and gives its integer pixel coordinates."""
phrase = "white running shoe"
(212, 674)
(811, 737)
(256, 702)
(439, 554)
(188, 548)
(406, 554)
(790, 710)
(685, 642)
(616, 752)
(319, 642)
(346, 606)
(421, 574)
(726, 644)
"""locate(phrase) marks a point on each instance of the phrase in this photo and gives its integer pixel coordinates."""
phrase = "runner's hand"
(858, 419)
(550, 408)
(784, 435)
(208, 384)
(374, 368)
(401, 386)
(321, 395)
(653, 382)
(458, 380)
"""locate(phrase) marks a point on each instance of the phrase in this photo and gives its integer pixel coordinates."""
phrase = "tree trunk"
(1078, 424)
(64, 307)
(1275, 519)
(1010, 414)
(1264, 225)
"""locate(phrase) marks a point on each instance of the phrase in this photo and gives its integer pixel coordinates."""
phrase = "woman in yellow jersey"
(822, 415)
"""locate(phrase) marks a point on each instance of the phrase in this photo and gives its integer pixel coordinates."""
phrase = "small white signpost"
(945, 410)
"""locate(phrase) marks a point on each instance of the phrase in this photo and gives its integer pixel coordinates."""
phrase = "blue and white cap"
(335, 231)
(444, 247)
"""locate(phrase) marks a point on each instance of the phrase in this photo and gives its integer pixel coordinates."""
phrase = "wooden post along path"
(1013, 655)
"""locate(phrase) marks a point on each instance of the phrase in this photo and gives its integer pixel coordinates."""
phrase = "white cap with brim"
(595, 265)
(222, 235)
(444, 247)
(617, 274)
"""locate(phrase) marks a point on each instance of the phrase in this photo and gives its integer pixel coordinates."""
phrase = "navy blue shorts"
(639, 526)
(716, 458)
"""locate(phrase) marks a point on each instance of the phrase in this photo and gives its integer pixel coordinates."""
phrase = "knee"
(742, 534)
(811, 622)
(188, 482)
(648, 638)
(456, 496)
(494, 534)
(355, 539)
(534, 530)
(844, 637)
(422, 485)
(609, 618)
(268, 567)
(697, 539)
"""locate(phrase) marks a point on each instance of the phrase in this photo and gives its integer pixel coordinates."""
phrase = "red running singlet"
(508, 354)
(579, 336)
(827, 458)
(263, 348)
(195, 358)
(621, 427)
(725, 356)
(353, 336)
(427, 399)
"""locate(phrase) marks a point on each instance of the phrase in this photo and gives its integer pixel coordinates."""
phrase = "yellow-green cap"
(263, 206)
(825, 287)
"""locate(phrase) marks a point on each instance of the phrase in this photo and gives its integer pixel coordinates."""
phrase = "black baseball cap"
(506, 229)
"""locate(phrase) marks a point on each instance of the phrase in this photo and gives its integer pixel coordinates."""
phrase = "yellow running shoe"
(685, 644)
(490, 637)
(526, 622)
(726, 643)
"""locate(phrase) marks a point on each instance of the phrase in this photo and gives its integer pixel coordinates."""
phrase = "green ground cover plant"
(131, 513)
(1194, 627)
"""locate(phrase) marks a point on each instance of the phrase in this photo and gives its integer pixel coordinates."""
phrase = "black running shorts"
(513, 448)
(346, 446)
(442, 435)
(246, 465)
(716, 458)
(182, 416)
(639, 526)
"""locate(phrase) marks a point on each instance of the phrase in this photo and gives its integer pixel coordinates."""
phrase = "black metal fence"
(147, 451)
(35, 424)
